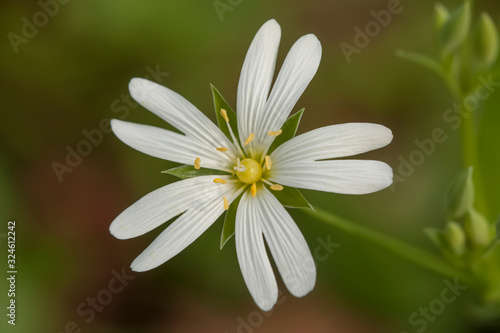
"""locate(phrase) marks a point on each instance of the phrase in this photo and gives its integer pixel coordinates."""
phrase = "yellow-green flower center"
(252, 173)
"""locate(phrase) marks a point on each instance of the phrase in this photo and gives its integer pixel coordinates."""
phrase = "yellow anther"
(253, 189)
(222, 149)
(197, 163)
(226, 203)
(269, 163)
(250, 138)
(223, 113)
(219, 180)
(274, 133)
(276, 187)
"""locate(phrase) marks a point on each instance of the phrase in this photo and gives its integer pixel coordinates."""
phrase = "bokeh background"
(74, 72)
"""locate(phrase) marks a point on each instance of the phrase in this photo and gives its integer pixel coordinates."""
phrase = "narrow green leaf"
(229, 222)
(422, 60)
(291, 197)
(220, 103)
(188, 171)
(289, 129)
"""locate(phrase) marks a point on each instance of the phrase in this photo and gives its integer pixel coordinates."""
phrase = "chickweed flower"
(239, 163)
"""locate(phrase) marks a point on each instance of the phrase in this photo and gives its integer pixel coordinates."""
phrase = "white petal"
(332, 142)
(187, 228)
(159, 206)
(298, 69)
(256, 77)
(170, 146)
(288, 246)
(252, 257)
(339, 176)
(177, 111)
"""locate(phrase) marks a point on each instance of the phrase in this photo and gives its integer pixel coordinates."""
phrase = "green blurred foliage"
(70, 76)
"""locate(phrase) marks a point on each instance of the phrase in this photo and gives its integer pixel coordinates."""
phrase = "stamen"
(274, 133)
(226, 203)
(223, 113)
(253, 189)
(250, 138)
(276, 187)
(219, 181)
(269, 163)
(221, 149)
(197, 163)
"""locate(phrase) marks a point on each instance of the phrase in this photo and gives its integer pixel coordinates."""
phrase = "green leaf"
(291, 197)
(229, 222)
(289, 129)
(220, 103)
(460, 195)
(188, 171)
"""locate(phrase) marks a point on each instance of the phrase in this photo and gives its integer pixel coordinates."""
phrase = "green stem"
(417, 255)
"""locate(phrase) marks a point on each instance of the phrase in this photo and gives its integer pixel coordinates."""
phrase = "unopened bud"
(441, 14)
(479, 232)
(486, 40)
(456, 28)
(455, 238)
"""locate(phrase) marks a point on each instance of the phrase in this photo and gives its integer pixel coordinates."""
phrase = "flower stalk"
(407, 251)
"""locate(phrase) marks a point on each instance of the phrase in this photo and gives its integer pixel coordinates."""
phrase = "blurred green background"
(73, 73)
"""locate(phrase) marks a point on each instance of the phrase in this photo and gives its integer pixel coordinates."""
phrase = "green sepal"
(439, 239)
(188, 171)
(220, 103)
(289, 129)
(229, 222)
(291, 197)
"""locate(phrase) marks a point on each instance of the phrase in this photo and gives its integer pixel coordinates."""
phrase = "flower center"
(252, 171)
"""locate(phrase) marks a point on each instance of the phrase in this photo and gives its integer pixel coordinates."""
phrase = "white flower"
(300, 162)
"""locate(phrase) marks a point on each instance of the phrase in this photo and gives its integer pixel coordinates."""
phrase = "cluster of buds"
(464, 43)
(468, 233)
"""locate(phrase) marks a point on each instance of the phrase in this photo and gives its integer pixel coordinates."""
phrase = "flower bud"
(478, 229)
(441, 15)
(460, 195)
(455, 29)
(455, 238)
(486, 40)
